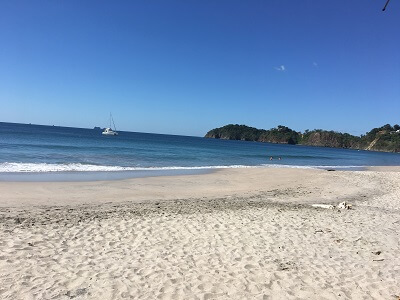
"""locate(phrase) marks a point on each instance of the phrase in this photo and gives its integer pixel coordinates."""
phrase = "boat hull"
(110, 133)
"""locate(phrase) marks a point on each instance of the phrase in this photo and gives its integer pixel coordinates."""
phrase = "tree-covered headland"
(385, 138)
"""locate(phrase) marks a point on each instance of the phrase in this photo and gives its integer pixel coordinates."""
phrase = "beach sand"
(232, 234)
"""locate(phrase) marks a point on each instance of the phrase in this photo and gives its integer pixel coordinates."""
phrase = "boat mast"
(111, 118)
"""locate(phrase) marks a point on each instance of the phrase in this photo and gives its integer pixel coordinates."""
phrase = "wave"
(78, 167)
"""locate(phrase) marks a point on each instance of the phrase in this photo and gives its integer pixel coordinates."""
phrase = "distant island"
(385, 138)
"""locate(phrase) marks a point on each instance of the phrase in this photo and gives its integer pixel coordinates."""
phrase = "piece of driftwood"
(342, 205)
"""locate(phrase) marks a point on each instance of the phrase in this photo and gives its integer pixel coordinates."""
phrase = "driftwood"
(342, 205)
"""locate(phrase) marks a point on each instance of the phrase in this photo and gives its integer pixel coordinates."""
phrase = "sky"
(185, 67)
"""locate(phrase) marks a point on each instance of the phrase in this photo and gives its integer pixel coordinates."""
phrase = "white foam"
(77, 167)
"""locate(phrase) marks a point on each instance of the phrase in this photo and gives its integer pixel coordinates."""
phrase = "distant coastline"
(385, 138)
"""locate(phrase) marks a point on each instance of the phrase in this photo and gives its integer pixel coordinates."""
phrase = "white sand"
(233, 234)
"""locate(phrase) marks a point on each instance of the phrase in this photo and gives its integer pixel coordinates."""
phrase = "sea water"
(79, 153)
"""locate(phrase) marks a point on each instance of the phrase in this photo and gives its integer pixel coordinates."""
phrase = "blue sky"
(184, 67)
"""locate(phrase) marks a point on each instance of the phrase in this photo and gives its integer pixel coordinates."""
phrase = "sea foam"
(78, 167)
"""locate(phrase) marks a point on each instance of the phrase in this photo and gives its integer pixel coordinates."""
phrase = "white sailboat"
(109, 130)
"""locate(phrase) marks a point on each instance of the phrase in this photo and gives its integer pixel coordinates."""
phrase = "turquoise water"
(42, 149)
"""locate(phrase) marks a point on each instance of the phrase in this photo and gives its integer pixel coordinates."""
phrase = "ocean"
(52, 152)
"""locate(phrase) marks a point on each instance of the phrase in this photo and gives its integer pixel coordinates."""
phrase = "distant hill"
(385, 138)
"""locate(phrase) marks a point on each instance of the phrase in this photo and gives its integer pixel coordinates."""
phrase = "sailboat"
(108, 130)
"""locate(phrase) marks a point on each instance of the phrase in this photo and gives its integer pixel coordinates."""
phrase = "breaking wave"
(78, 167)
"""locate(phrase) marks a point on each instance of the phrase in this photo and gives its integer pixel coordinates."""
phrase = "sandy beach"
(232, 234)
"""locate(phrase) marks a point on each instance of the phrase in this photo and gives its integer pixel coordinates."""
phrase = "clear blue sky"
(184, 67)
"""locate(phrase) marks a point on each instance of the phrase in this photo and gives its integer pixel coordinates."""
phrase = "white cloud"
(281, 68)
(315, 64)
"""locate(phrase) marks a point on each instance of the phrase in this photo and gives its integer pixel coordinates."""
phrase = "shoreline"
(91, 176)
